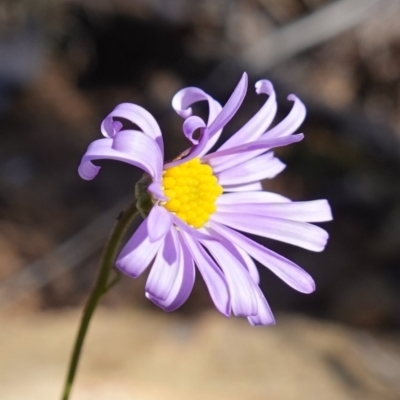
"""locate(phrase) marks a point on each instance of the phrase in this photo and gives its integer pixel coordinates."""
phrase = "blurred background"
(64, 64)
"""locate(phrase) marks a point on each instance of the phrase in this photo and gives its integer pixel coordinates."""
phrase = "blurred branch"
(70, 254)
(296, 37)
(304, 5)
(288, 41)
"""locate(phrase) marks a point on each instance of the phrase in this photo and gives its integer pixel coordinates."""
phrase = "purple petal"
(196, 233)
(292, 122)
(183, 284)
(303, 211)
(182, 101)
(285, 269)
(136, 144)
(117, 126)
(300, 234)
(230, 108)
(164, 269)
(241, 286)
(132, 147)
(250, 265)
(257, 169)
(156, 190)
(263, 143)
(109, 127)
(219, 122)
(138, 253)
(250, 197)
(140, 117)
(87, 170)
(249, 187)
(159, 223)
(257, 125)
(212, 275)
(210, 143)
(264, 315)
(221, 161)
(190, 125)
(227, 112)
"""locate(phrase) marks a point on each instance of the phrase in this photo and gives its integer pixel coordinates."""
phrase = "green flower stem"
(100, 287)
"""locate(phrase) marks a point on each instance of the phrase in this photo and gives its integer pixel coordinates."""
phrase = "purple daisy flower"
(194, 206)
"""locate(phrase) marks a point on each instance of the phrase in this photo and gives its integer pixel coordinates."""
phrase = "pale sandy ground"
(155, 356)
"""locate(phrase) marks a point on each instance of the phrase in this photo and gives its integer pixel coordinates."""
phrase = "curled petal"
(300, 234)
(132, 147)
(292, 122)
(137, 115)
(260, 122)
(256, 169)
(109, 127)
(159, 223)
(138, 253)
(227, 112)
(190, 125)
(87, 170)
(182, 101)
(285, 269)
(137, 144)
(221, 161)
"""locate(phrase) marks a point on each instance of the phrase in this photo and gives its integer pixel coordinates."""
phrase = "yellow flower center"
(191, 189)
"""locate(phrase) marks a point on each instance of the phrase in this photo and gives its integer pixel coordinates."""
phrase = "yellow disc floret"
(192, 190)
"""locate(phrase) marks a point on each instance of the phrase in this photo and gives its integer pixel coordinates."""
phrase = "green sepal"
(144, 201)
